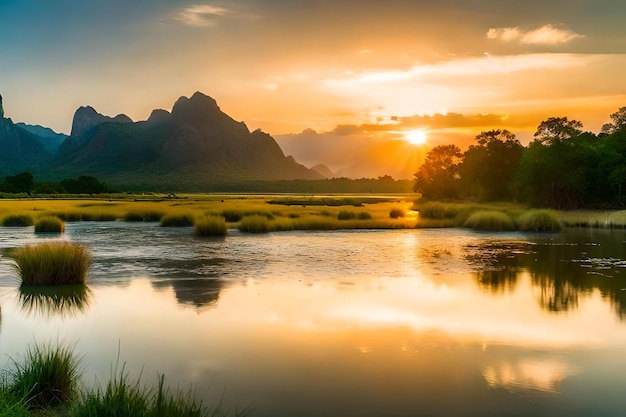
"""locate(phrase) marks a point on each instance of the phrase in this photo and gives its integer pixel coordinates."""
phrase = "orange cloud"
(545, 35)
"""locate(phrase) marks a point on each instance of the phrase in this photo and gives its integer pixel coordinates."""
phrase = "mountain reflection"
(196, 292)
(564, 268)
(61, 300)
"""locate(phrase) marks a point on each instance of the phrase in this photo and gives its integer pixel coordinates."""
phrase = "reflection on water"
(59, 300)
(564, 267)
(198, 293)
(528, 374)
(355, 323)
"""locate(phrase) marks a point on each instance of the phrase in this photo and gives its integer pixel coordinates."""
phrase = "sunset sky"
(349, 70)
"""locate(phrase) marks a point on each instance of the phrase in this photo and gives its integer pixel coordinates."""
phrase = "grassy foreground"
(52, 263)
(47, 382)
(270, 213)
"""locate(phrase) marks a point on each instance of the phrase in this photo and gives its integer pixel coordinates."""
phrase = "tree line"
(564, 167)
(24, 184)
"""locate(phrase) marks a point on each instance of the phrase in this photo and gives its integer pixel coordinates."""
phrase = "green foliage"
(47, 377)
(11, 405)
(49, 224)
(17, 220)
(177, 220)
(20, 183)
(490, 220)
(211, 226)
(346, 215)
(396, 213)
(438, 176)
(84, 185)
(254, 224)
(437, 210)
(52, 263)
(539, 221)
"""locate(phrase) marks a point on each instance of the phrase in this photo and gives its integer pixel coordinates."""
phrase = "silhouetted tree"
(488, 169)
(619, 122)
(557, 129)
(438, 176)
(84, 185)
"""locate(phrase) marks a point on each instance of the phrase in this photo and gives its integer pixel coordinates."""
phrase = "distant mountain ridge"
(193, 146)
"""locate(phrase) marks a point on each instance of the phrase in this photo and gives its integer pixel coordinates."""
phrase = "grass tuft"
(11, 405)
(490, 220)
(52, 263)
(346, 215)
(254, 224)
(47, 377)
(396, 213)
(177, 220)
(211, 226)
(539, 221)
(49, 224)
(17, 220)
(143, 216)
(364, 215)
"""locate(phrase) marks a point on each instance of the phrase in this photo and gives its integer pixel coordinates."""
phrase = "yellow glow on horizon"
(416, 137)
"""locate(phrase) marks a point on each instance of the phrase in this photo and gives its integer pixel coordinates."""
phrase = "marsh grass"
(144, 215)
(490, 220)
(211, 226)
(52, 263)
(11, 405)
(60, 300)
(17, 220)
(594, 218)
(47, 377)
(254, 224)
(177, 220)
(122, 397)
(396, 213)
(346, 215)
(539, 221)
(364, 215)
(49, 224)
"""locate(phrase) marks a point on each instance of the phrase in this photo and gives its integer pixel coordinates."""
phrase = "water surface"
(355, 323)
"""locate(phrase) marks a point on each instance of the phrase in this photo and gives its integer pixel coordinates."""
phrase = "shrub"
(539, 221)
(232, 216)
(17, 220)
(211, 226)
(254, 224)
(49, 224)
(177, 220)
(52, 263)
(364, 215)
(345, 215)
(490, 220)
(143, 216)
(48, 376)
(396, 213)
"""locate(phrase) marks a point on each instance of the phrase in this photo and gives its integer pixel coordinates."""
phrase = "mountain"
(324, 170)
(196, 143)
(50, 139)
(20, 150)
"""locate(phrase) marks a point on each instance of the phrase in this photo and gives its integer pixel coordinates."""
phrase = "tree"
(439, 175)
(488, 169)
(557, 129)
(84, 185)
(619, 122)
(20, 183)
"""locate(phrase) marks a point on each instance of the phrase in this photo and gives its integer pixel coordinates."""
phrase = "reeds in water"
(211, 226)
(49, 224)
(539, 221)
(254, 224)
(490, 220)
(177, 220)
(17, 220)
(52, 263)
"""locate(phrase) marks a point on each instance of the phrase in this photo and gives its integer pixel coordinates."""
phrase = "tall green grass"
(177, 220)
(52, 263)
(47, 377)
(11, 405)
(490, 220)
(539, 221)
(211, 226)
(254, 224)
(49, 224)
(17, 220)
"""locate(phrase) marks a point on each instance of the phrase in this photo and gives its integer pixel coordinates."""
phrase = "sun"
(416, 137)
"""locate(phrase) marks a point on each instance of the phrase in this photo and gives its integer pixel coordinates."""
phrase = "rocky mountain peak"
(1, 108)
(86, 117)
(196, 108)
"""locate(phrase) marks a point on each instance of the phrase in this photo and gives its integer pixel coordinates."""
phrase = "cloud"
(200, 14)
(545, 35)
